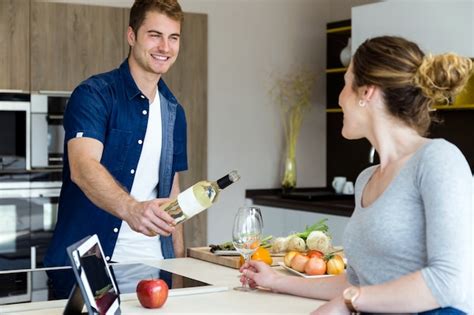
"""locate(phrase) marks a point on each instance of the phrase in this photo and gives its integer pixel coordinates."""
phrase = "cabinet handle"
(33, 257)
(13, 91)
(55, 93)
(55, 159)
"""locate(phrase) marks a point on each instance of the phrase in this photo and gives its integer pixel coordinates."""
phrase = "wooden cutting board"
(204, 253)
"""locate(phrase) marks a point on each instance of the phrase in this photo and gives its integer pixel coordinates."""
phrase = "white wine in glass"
(246, 234)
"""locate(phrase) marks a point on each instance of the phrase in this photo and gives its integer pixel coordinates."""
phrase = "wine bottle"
(198, 197)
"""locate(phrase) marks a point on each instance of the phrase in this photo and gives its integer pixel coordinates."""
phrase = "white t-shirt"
(131, 245)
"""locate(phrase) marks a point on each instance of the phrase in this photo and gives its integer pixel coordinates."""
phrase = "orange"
(261, 254)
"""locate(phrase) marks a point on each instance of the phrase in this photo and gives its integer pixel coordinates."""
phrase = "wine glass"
(246, 234)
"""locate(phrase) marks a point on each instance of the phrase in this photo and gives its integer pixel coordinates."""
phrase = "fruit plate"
(236, 253)
(302, 274)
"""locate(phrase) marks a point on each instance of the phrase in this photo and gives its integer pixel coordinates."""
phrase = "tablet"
(96, 283)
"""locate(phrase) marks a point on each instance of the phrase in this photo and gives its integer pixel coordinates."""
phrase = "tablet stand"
(75, 302)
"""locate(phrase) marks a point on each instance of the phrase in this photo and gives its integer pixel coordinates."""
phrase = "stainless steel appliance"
(14, 131)
(28, 211)
(47, 137)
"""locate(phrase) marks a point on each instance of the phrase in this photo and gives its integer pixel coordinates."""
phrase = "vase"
(345, 55)
(289, 176)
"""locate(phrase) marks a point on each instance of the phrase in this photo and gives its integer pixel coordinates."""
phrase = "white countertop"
(223, 302)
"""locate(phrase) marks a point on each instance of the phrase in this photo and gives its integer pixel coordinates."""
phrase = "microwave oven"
(47, 137)
(31, 131)
(14, 132)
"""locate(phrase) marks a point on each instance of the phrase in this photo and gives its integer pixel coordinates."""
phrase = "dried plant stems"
(293, 94)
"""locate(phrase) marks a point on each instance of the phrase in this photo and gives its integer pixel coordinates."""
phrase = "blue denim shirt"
(109, 107)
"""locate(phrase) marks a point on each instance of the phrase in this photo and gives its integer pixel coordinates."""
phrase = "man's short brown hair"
(140, 8)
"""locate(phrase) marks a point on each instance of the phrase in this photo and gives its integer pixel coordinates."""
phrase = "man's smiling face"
(156, 44)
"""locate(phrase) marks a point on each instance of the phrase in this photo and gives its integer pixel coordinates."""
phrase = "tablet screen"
(99, 291)
(98, 278)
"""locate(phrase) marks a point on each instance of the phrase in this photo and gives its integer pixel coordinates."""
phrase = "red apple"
(152, 293)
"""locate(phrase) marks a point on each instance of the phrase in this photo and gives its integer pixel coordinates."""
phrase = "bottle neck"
(224, 182)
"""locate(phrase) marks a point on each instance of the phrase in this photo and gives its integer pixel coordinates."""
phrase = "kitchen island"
(221, 302)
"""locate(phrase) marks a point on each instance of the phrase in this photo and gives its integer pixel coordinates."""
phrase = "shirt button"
(132, 171)
(144, 112)
(142, 96)
(115, 230)
(140, 141)
(107, 258)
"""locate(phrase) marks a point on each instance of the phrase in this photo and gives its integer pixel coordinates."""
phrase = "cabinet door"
(187, 79)
(70, 42)
(15, 47)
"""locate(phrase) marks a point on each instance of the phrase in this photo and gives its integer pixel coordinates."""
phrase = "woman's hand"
(335, 306)
(258, 273)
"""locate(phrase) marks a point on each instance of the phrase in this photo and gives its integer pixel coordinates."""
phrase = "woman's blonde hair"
(410, 81)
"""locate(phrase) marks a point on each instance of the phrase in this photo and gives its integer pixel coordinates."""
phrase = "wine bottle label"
(188, 203)
(175, 211)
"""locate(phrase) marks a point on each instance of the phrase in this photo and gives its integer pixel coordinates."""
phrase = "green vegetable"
(318, 226)
(229, 246)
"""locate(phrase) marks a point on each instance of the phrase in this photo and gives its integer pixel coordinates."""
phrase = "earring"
(362, 103)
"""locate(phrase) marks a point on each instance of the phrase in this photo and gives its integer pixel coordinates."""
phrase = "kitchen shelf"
(275, 198)
(437, 107)
(454, 107)
(339, 29)
(336, 70)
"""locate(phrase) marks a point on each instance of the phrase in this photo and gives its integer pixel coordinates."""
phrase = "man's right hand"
(148, 218)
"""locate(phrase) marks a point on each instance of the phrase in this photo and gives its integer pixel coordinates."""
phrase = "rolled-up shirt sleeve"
(86, 115)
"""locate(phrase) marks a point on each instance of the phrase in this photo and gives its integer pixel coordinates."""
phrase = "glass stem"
(246, 258)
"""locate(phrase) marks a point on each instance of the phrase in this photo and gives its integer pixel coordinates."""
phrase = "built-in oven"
(28, 211)
(47, 137)
(14, 131)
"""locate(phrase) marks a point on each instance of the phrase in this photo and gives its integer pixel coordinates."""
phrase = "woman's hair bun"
(442, 77)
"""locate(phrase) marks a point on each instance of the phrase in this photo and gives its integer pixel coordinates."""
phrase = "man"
(125, 132)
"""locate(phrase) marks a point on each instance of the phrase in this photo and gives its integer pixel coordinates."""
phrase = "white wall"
(447, 25)
(248, 42)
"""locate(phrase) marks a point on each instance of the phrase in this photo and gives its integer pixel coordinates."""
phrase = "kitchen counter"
(317, 200)
(227, 301)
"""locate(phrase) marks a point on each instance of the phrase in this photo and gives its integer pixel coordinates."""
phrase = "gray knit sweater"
(422, 221)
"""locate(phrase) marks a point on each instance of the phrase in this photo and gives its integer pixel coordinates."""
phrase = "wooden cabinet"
(15, 47)
(187, 79)
(70, 42)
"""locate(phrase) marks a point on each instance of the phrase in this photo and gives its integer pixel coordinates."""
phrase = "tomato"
(315, 266)
(261, 254)
(335, 265)
(314, 253)
(299, 262)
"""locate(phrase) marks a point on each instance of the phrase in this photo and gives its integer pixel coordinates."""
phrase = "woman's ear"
(368, 92)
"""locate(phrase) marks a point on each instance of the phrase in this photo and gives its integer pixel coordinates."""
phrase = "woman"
(409, 242)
